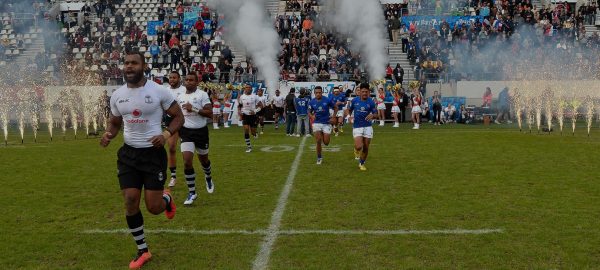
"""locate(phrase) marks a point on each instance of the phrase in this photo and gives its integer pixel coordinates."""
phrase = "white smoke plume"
(251, 28)
(363, 21)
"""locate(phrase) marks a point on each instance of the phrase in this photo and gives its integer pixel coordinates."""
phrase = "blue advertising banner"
(153, 26)
(428, 22)
(192, 13)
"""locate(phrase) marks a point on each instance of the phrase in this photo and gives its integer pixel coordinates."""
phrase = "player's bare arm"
(114, 125)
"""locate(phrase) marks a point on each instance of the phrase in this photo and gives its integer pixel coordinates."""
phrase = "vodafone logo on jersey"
(136, 113)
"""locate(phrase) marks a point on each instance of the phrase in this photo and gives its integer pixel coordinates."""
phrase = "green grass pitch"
(540, 192)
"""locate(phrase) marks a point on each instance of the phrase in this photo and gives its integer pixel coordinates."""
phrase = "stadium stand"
(97, 36)
(495, 46)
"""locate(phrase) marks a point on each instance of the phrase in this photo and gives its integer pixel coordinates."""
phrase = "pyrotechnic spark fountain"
(4, 122)
(589, 117)
(21, 112)
(538, 104)
(49, 118)
(517, 99)
(548, 97)
(73, 110)
(575, 104)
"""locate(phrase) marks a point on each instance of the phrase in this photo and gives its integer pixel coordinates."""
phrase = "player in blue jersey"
(339, 99)
(365, 110)
(318, 109)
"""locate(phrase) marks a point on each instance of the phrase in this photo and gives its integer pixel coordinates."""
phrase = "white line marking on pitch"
(301, 232)
(262, 259)
(390, 232)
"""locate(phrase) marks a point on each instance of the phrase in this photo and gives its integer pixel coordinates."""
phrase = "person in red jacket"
(199, 26)
(389, 72)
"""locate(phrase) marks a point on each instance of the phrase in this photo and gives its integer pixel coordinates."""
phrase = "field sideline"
(450, 197)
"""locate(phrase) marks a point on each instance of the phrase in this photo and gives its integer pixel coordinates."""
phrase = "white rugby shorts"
(366, 132)
(325, 128)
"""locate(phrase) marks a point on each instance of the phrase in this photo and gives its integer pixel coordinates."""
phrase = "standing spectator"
(161, 13)
(98, 8)
(199, 26)
(227, 54)
(389, 72)
(239, 71)
(175, 53)
(154, 51)
(174, 41)
(180, 10)
(307, 26)
(395, 27)
(487, 98)
(119, 21)
(225, 68)
(403, 104)
(503, 106)
(205, 48)
(398, 74)
(301, 103)
(436, 99)
(290, 112)
(164, 52)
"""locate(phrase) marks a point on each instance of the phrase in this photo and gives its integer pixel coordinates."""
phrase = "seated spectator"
(465, 116)
(323, 76)
(312, 72)
(449, 113)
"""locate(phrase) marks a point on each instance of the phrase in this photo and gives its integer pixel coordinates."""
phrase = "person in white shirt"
(277, 104)
(249, 105)
(449, 112)
(197, 110)
(261, 114)
(176, 89)
(142, 161)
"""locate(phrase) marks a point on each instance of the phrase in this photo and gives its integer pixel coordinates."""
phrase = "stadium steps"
(37, 45)
(591, 29)
(273, 7)
(396, 56)
(537, 4)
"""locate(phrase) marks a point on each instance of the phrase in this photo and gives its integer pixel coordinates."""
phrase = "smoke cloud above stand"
(363, 21)
(250, 28)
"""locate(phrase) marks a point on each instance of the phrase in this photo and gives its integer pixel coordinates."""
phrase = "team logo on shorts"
(148, 99)
(160, 176)
(136, 113)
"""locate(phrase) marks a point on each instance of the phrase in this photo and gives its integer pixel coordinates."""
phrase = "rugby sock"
(247, 138)
(136, 228)
(319, 156)
(207, 172)
(167, 199)
(362, 161)
(173, 172)
(190, 179)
